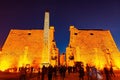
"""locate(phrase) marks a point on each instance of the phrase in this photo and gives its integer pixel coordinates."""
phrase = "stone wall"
(92, 46)
(28, 44)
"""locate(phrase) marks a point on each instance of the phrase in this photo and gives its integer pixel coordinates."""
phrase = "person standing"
(111, 71)
(81, 73)
(50, 71)
(43, 72)
(88, 71)
(107, 74)
(94, 72)
(38, 73)
(55, 72)
(62, 71)
(22, 74)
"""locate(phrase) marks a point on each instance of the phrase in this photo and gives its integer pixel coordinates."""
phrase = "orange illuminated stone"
(92, 46)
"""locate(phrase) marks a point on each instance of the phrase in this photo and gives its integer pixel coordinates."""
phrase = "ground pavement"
(71, 76)
(74, 76)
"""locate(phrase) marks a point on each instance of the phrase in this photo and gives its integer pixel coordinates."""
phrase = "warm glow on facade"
(4, 64)
(38, 47)
(22, 48)
(30, 47)
(24, 58)
(93, 47)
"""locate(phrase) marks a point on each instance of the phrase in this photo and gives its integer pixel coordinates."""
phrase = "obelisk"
(46, 50)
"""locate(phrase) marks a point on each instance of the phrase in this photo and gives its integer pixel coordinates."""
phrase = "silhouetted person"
(69, 69)
(62, 72)
(89, 72)
(43, 72)
(22, 74)
(50, 71)
(94, 72)
(81, 73)
(55, 72)
(111, 71)
(31, 71)
(107, 74)
(38, 73)
(74, 69)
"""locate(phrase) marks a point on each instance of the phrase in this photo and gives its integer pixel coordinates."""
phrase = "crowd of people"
(91, 72)
(50, 71)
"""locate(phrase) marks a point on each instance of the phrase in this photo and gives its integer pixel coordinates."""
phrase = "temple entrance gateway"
(92, 46)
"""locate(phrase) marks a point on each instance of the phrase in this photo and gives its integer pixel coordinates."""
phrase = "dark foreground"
(34, 76)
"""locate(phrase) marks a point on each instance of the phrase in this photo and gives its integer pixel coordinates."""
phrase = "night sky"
(83, 14)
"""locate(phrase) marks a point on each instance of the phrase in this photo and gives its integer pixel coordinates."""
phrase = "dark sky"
(83, 14)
